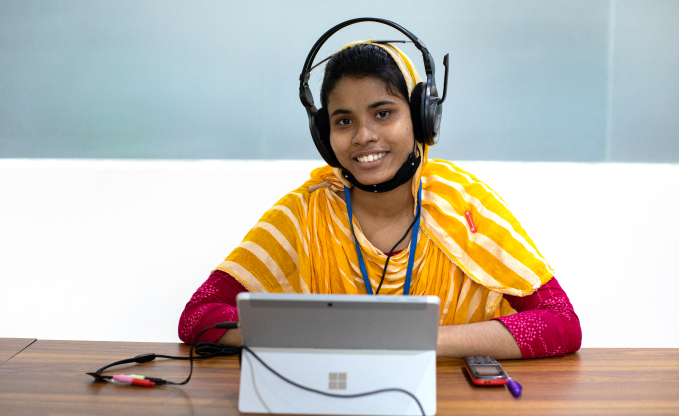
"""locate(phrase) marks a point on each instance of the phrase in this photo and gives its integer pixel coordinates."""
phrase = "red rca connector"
(133, 380)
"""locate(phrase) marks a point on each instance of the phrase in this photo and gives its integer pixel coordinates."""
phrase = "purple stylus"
(515, 387)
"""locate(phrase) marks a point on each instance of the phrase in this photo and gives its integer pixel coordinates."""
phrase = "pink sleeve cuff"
(213, 302)
(545, 323)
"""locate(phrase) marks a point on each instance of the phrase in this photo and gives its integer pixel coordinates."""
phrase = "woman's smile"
(371, 157)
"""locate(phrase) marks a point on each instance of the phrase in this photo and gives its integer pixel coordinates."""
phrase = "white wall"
(112, 250)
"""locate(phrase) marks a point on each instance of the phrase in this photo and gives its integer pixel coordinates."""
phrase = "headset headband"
(306, 94)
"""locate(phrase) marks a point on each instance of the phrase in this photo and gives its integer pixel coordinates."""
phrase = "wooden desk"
(49, 377)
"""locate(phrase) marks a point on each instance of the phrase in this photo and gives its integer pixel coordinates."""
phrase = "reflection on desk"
(9, 347)
(49, 377)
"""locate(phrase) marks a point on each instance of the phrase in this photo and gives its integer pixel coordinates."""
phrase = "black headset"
(426, 110)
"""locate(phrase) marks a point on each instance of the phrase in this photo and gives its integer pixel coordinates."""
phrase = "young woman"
(390, 221)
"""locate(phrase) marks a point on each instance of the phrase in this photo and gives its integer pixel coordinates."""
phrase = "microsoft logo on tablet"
(337, 381)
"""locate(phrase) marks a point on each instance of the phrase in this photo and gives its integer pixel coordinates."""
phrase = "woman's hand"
(231, 338)
(490, 338)
(484, 338)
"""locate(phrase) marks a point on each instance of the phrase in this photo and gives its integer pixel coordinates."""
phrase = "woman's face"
(371, 129)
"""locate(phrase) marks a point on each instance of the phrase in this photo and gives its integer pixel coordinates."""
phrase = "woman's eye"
(344, 121)
(383, 114)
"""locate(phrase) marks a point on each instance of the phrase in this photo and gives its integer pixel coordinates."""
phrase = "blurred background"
(109, 110)
(564, 80)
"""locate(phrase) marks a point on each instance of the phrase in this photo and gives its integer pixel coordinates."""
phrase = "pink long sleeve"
(545, 324)
(213, 302)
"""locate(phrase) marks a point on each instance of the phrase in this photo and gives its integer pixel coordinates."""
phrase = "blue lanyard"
(412, 251)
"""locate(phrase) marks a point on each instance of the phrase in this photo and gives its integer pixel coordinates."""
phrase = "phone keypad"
(481, 360)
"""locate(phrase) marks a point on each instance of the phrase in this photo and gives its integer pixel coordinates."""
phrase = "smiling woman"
(386, 219)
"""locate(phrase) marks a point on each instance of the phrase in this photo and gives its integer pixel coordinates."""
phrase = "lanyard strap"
(412, 250)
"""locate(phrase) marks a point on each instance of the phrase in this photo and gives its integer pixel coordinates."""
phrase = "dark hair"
(363, 60)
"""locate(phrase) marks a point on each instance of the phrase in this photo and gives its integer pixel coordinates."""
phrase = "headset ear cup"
(321, 129)
(415, 106)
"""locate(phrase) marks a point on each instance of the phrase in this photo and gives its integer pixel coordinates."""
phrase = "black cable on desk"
(203, 349)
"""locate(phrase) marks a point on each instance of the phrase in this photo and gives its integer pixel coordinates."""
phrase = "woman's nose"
(365, 134)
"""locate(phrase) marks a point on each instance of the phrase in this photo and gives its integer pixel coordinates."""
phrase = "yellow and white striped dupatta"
(304, 243)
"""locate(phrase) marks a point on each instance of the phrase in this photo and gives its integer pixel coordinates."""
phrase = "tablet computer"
(340, 344)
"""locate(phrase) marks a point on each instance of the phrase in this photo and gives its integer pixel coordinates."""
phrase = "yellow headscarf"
(304, 243)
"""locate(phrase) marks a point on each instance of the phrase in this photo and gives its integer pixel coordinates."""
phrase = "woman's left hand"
(490, 338)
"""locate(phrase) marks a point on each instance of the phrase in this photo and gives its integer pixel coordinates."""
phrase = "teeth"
(371, 158)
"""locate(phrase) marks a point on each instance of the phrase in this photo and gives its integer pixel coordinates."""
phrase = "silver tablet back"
(339, 321)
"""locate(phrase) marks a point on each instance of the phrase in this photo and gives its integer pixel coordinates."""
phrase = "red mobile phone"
(485, 371)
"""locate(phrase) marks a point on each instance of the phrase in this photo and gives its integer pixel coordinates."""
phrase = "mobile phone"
(485, 371)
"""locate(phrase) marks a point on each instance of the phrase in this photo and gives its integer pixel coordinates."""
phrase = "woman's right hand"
(231, 338)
